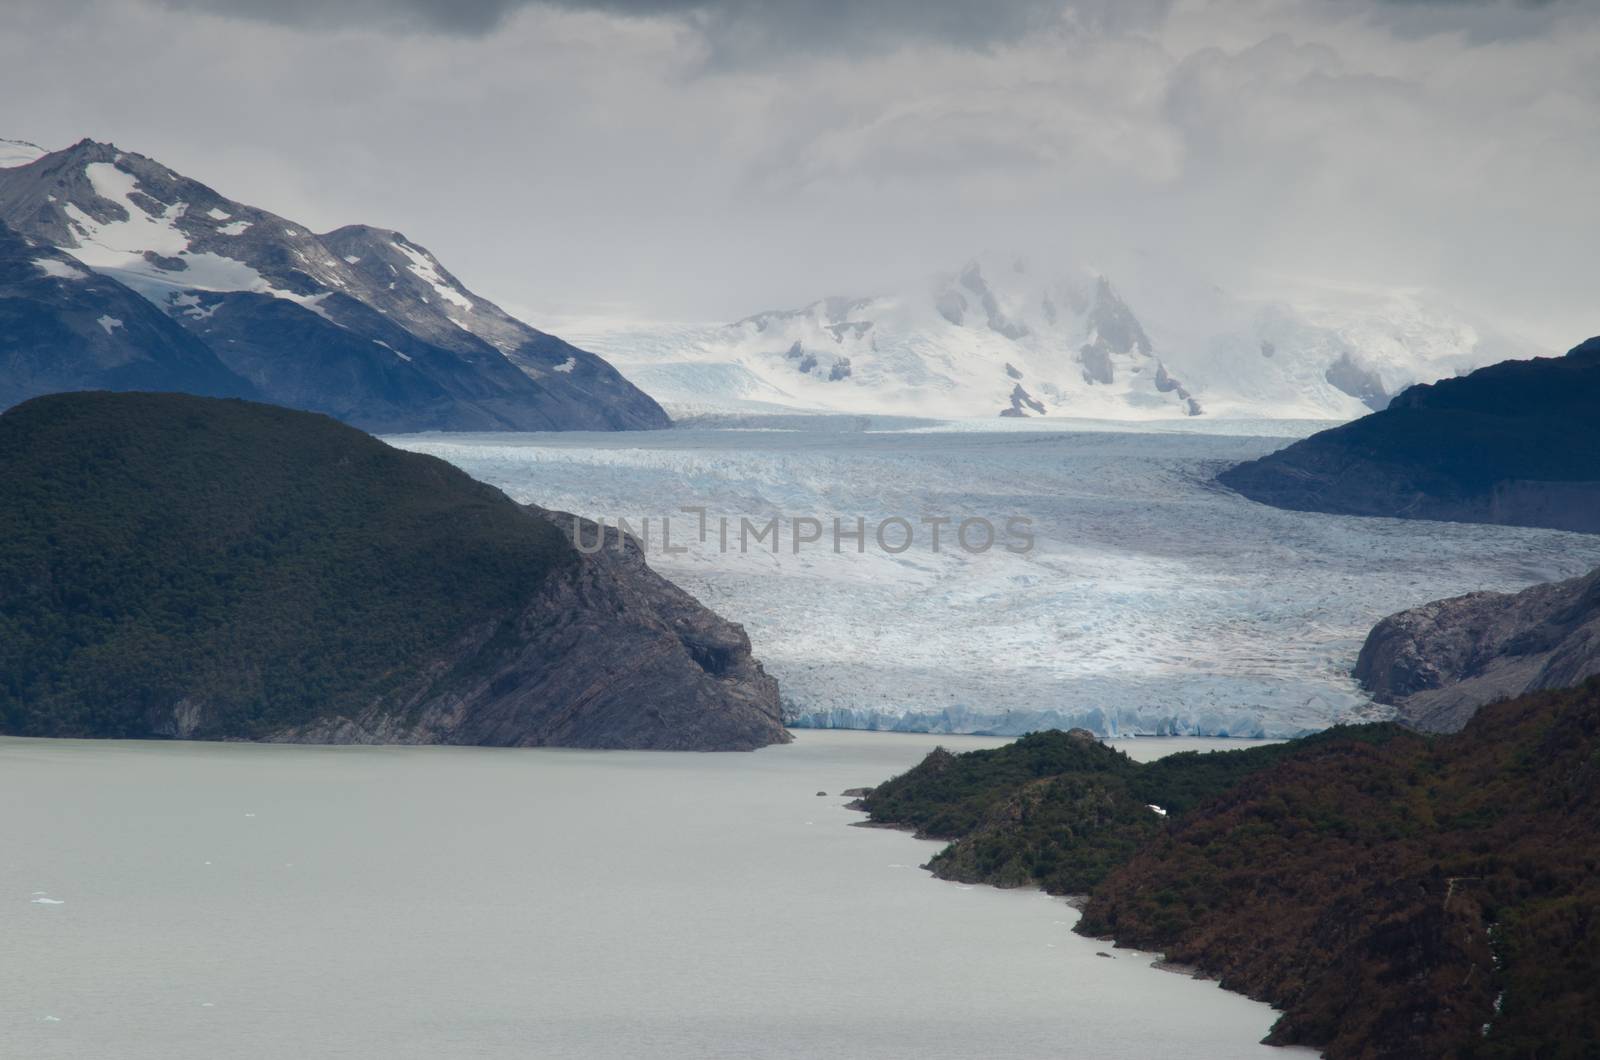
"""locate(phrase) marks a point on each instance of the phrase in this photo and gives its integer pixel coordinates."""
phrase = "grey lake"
(174, 900)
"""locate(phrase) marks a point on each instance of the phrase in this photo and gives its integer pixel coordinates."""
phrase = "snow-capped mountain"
(1005, 338)
(360, 323)
(63, 327)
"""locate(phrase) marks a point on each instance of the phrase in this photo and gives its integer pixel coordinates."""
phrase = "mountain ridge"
(65, 326)
(383, 336)
(1515, 443)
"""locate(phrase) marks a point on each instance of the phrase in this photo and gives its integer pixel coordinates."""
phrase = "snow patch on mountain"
(18, 153)
(139, 239)
(423, 265)
(138, 231)
(392, 350)
(61, 270)
(145, 248)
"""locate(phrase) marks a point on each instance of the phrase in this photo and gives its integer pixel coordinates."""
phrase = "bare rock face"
(1442, 661)
(609, 655)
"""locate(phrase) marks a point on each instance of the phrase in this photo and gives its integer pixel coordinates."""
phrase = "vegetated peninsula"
(218, 569)
(1516, 443)
(1395, 894)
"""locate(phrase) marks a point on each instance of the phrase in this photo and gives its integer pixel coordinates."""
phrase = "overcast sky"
(690, 161)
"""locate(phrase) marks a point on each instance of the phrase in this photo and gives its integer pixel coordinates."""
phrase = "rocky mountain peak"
(360, 323)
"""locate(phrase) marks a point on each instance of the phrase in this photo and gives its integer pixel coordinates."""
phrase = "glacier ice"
(1154, 602)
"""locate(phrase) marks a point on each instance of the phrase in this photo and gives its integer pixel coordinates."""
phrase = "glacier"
(1153, 602)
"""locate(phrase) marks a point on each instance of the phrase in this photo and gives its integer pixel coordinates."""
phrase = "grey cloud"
(731, 25)
(1479, 21)
(809, 23)
(469, 17)
(569, 155)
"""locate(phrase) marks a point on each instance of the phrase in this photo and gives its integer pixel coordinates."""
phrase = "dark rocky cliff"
(1516, 443)
(1442, 661)
(217, 569)
(607, 654)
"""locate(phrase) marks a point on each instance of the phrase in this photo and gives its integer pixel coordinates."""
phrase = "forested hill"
(1396, 895)
(177, 565)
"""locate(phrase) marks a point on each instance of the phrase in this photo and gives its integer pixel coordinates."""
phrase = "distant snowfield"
(18, 153)
(1150, 343)
(1152, 602)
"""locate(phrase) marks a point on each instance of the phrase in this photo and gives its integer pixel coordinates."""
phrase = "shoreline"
(1075, 901)
(1156, 960)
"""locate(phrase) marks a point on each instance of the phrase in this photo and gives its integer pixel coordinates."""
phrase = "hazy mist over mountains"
(702, 162)
(1006, 336)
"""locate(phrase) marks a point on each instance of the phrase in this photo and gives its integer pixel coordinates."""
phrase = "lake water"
(173, 900)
